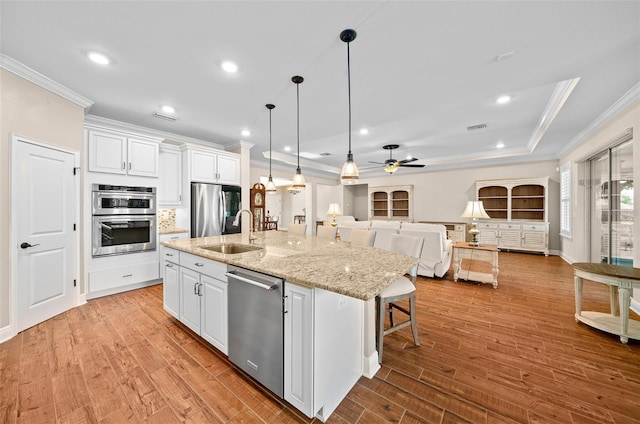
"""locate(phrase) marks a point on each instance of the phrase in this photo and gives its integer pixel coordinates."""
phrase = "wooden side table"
(485, 253)
(621, 281)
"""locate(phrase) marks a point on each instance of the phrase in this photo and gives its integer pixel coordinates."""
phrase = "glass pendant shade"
(298, 180)
(270, 187)
(391, 168)
(349, 174)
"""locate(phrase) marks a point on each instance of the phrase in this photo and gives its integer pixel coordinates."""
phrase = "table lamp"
(474, 211)
(334, 210)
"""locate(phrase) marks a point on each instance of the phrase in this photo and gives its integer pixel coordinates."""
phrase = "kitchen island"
(330, 288)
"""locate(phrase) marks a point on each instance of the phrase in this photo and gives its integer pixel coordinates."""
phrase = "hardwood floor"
(510, 355)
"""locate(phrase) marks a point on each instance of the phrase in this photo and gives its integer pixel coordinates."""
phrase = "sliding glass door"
(612, 205)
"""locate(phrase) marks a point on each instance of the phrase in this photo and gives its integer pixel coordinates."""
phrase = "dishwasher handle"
(252, 282)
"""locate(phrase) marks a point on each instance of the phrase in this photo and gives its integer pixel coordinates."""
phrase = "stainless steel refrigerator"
(213, 209)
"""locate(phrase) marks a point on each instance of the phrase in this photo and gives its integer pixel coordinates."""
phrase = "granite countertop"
(356, 271)
(172, 230)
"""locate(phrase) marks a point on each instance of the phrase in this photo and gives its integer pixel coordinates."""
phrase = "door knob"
(25, 245)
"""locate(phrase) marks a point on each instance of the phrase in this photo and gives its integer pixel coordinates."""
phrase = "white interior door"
(45, 205)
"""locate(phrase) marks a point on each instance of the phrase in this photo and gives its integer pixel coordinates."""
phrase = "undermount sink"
(231, 248)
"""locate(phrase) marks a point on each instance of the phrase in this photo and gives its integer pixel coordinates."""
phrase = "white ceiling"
(421, 72)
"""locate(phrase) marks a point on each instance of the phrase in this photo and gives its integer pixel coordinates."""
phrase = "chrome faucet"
(237, 220)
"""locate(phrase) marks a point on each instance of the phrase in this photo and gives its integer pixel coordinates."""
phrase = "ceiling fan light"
(391, 168)
(270, 187)
(349, 174)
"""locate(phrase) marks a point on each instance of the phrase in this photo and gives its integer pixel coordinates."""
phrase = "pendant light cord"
(269, 141)
(349, 91)
(298, 120)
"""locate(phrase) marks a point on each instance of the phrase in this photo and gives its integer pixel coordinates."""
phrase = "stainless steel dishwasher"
(256, 326)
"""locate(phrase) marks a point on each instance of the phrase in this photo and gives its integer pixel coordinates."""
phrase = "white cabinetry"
(323, 342)
(171, 281)
(526, 236)
(170, 182)
(207, 166)
(120, 153)
(197, 296)
(519, 210)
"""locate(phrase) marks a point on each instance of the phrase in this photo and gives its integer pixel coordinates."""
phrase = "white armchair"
(436, 251)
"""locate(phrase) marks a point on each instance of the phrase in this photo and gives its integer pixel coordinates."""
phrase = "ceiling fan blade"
(404, 165)
(378, 163)
(408, 160)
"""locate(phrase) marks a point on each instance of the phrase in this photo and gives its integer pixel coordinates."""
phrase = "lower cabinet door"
(171, 289)
(214, 320)
(190, 299)
(510, 238)
(298, 348)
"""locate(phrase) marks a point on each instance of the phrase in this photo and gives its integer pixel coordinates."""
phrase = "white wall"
(37, 114)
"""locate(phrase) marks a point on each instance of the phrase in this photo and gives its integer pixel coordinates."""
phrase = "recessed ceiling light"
(98, 58)
(503, 99)
(287, 148)
(364, 131)
(229, 67)
(168, 109)
(499, 145)
(245, 133)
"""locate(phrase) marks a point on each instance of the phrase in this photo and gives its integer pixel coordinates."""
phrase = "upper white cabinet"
(208, 166)
(170, 183)
(391, 202)
(119, 153)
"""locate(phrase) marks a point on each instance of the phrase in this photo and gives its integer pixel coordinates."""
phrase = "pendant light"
(349, 174)
(270, 187)
(298, 179)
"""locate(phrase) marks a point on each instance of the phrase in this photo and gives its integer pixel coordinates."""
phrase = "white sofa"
(436, 252)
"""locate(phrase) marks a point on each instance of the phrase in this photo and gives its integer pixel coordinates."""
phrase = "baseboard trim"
(370, 365)
(7, 333)
(121, 289)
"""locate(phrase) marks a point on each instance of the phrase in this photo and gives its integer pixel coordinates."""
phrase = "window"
(565, 200)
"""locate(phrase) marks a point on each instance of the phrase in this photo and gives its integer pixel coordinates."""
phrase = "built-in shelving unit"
(391, 202)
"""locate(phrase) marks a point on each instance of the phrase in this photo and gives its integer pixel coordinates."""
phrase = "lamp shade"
(475, 210)
(334, 209)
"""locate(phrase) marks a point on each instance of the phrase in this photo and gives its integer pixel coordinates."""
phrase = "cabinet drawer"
(173, 236)
(170, 255)
(487, 225)
(122, 276)
(534, 227)
(204, 266)
(459, 227)
(510, 226)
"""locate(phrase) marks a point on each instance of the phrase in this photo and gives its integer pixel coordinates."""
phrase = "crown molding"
(40, 80)
(560, 95)
(98, 121)
(616, 109)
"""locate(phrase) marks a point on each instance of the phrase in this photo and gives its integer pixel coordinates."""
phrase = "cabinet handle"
(129, 166)
(123, 166)
(168, 254)
(127, 275)
(180, 197)
(198, 264)
(195, 288)
(169, 266)
(199, 291)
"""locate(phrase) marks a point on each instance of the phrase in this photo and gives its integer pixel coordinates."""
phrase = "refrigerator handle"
(223, 218)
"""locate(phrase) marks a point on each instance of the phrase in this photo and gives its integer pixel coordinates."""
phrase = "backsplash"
(166, 219)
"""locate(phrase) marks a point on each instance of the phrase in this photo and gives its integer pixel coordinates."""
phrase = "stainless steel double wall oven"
(124, 219)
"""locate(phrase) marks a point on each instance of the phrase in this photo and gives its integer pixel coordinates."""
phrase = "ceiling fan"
(391, 165)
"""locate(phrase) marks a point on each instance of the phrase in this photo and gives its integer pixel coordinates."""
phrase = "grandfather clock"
(257, 204)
